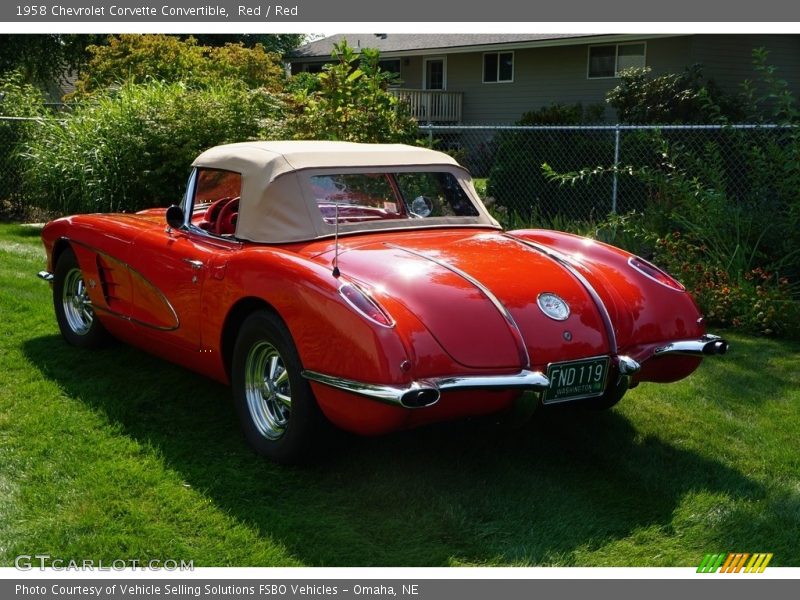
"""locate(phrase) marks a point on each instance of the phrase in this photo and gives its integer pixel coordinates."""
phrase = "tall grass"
(131, 148)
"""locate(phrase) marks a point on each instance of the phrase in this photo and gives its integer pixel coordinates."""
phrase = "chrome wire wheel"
(75, 301)
(267, 390)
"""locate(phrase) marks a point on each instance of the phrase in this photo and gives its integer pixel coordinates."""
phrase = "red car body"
(416, 324)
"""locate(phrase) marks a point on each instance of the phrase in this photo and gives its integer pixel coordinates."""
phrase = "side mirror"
(175, 217)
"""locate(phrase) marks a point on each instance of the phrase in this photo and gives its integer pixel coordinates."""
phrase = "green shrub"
(351, 102)
(516, 180)
(17, 99)
(136, 58)
(131, 148)
(686, 97)
(750, 298)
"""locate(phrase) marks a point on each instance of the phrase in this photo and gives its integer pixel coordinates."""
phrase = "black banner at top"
(362, 11)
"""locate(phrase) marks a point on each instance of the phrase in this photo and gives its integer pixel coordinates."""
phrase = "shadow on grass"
(471, 491)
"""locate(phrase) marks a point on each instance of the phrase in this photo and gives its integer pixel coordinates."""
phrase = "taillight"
(653, 272)
(365, 305)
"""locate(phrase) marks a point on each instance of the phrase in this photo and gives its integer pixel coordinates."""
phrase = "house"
(476, 78)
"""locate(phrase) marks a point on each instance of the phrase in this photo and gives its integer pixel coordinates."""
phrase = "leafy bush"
(752, 298)
(516, 180)
(687, 97)
(131, 148)
(17, 99)
(352, 102)
(135, 58)
(744, 297)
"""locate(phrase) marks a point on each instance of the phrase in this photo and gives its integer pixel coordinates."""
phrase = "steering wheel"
(421, 207)
(226, 220)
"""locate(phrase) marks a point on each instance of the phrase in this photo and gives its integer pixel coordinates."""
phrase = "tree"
(686, 97)
(134, 58)
(280, 43)
(352, 102)
(43, 59)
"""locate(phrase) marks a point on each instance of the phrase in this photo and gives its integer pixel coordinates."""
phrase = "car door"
(170, 265)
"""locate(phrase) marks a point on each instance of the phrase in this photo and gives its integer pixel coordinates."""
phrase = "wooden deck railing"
(432, 106)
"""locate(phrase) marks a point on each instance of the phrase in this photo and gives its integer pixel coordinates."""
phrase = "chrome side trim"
(46, 275)
(419, 394)
(565, 262)
(501, 308)
(707, 345)
(131, 319)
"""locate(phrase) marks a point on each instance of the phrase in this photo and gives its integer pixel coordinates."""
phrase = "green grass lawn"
(115, 454)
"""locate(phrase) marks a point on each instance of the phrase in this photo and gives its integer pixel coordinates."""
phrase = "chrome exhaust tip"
(420, 397)
(716, 347)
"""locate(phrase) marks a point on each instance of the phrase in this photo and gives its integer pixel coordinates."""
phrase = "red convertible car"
(366, 286)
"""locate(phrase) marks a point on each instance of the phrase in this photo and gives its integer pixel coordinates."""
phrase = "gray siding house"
(475, 78)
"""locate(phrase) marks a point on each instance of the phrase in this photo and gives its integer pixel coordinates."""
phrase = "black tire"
(76, 319)
(286, 432)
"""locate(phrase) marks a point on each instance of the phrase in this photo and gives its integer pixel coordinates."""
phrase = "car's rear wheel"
(74, 312)
(277, 409)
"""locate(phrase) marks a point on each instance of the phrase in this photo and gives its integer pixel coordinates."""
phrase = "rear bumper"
(707, 345)
(427, 392)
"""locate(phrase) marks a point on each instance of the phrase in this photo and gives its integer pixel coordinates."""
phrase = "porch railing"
(432, 106)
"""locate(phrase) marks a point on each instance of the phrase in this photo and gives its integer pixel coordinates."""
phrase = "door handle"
(195, 264)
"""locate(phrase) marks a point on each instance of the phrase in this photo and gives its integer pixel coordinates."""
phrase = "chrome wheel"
(76, 303)
(267, 390)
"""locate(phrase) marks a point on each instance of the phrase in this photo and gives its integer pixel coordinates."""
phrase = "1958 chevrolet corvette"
(366, 286)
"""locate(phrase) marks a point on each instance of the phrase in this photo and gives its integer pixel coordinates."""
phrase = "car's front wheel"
(277, 409)
(74, 312)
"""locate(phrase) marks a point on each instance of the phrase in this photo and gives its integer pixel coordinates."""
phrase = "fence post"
(430, 137)
(616, 166)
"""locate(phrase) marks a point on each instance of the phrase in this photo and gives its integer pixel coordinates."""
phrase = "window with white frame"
(498, 67)
(609, 60)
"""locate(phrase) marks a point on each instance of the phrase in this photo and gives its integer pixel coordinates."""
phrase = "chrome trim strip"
(393, 394)
(706, 345)
(46, 275)
(501, 308)
(682, 287)
(562, 260)
(524, 380)
(369, 297)
(131, 319)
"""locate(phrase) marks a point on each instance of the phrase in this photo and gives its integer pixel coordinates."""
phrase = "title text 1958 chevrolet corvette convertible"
(367, 286)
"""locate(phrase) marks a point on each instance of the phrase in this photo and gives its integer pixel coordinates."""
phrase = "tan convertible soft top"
(278, 206)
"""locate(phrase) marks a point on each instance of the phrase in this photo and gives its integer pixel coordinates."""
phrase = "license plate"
(576, 379)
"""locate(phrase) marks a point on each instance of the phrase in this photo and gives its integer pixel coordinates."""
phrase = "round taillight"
(653, 272)
(365, 305)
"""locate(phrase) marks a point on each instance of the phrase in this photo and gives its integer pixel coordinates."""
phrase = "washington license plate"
(576, 379)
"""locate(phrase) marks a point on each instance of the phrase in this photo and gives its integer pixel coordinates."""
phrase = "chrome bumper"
(46, 275)
(707, 345)
(420, 394)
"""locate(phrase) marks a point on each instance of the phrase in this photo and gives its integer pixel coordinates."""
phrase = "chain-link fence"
(507, 162)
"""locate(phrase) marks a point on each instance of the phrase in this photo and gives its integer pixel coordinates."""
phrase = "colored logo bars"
(734, 562)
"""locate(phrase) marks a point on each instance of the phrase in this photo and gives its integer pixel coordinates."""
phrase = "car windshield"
(358, 197)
